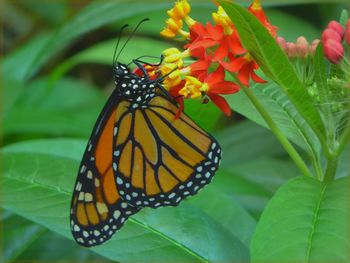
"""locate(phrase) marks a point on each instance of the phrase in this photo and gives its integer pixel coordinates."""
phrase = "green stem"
(331, 169)
(276, 131)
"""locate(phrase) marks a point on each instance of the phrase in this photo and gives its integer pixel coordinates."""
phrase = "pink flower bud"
(313, 46)
(336, 27)
(282, 43)
(333, 50)
(291, 50)
(330, 34)
(302, 47)
(347, 32)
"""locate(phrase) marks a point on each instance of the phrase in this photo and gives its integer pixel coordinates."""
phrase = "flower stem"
(276, 131)
(331, 169)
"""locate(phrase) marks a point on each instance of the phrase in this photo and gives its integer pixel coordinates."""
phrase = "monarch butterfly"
(139, 155)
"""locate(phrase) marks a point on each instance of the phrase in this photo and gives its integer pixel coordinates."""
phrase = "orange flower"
(245, 67)
(213, 86)
(189, 73)
(256, 9)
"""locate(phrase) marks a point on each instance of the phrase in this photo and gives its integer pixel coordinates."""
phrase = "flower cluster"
(300, 49)
(332, 38)
(211, 49)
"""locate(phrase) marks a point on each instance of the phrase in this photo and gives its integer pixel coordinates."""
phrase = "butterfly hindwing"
(97, 210)
(160, 160)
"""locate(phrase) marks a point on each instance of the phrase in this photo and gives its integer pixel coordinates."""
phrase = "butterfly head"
(120, 71)
(130, 86)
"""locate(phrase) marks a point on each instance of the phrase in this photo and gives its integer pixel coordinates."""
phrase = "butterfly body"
(139, 155)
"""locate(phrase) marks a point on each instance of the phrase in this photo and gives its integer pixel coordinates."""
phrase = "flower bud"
(180, 10)
(291, 50)
(347, 32)
(302, 47)
(333, 50)
(282, 43)
(330, 34)
(313, 46)
(336, 27)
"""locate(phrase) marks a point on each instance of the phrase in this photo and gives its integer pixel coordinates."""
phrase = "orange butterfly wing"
(97, 210)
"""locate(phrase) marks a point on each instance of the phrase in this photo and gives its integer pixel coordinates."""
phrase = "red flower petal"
(221, 103)
(216, 76)
(235, 44)
(215, 32)
(181, 108)
(224, 87)
(196, 31)
(222, 51)
(200, 65)
(256, 78)
(198, 52)
(235, 64)
(202, 43)
(244, 74)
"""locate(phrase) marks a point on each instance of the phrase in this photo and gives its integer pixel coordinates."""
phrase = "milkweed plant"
(239, 48)
(222, 58)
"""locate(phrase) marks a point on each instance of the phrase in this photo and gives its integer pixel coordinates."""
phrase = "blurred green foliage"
(56, 76)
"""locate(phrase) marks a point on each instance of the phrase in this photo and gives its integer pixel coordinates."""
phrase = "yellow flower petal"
(221, 18)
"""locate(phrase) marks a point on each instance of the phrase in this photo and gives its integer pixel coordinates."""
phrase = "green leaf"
(62, 147)
(38, 186)
(246, 141)
(91, 17)
(69, 108)
(306, 220)
(51, 12)
(344, 16)
(253, 183)
(25, 240)
(17, 64)
(102, 53)
(206, 116)
(282, 111)
(225, 210)
(275, 64)
(12, 90)
(19, 235)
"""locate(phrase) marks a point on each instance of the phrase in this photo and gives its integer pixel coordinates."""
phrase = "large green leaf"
(246, 141)
(25, 240)
(253, 183)
(68, 108)
(282, 111)
(17, 64)
(102, 53)
(306, 220)
(91, 17)
(11, 90)
(19, 235)
(38, 186)
(275, 64)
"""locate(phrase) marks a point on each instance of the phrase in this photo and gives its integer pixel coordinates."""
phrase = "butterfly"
(139, 155)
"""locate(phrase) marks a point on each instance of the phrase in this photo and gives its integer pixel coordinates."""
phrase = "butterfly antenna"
(116, 46)
(131, 35)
